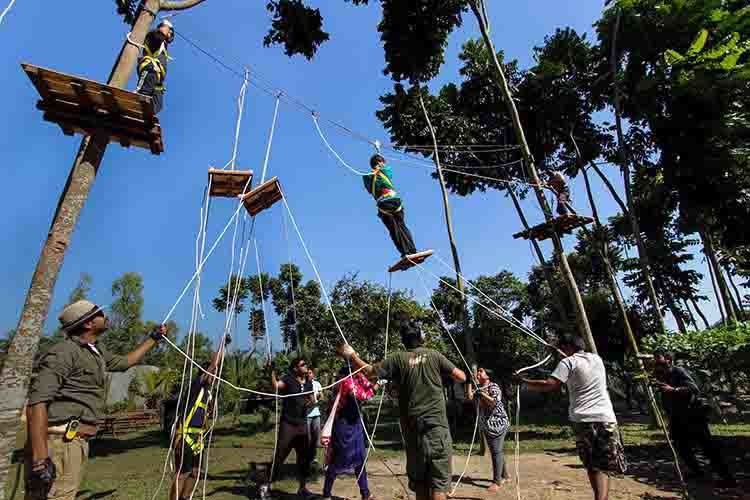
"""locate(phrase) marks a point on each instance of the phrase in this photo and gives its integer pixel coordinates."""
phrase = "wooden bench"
(126, 422)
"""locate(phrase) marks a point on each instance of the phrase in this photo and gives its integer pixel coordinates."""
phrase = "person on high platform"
(558, 184)
(379, 184)
(152, 67)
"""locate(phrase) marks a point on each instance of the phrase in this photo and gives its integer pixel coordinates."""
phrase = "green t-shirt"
(419, 374)
(71, 378)
(383, 189)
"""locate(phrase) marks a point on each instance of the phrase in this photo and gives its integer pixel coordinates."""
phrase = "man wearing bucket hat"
(66, 400)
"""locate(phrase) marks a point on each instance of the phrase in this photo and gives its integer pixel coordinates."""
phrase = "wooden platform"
(564, 224)
(229, 183)
(410, 261)
(262, 197)
(81, 106)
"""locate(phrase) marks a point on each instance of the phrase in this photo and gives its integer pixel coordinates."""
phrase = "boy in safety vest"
(191, 422)
(152, 67)
(390, 209)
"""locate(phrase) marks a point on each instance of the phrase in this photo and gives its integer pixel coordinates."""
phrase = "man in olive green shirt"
(66, 400)
(419, 373)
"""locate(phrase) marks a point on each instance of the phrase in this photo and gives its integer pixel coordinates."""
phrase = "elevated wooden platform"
(564, 224)
(81, 106)
(410, 261)
(229, 183)
(262, 197)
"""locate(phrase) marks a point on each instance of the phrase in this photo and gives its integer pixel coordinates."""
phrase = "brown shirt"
(71, 379)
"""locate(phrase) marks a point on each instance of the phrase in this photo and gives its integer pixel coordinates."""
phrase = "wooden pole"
(14, 378)
(464, 320)
(502, 82)
(622, 152)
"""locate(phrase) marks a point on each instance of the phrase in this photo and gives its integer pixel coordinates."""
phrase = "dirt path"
(544, 476)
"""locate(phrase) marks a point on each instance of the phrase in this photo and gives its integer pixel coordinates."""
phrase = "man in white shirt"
(313, 418)
(590, 411)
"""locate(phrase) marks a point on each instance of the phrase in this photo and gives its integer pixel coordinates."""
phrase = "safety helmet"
(168, 24)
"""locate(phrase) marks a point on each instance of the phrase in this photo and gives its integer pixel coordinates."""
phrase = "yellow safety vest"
(187, 432)
(152, 59)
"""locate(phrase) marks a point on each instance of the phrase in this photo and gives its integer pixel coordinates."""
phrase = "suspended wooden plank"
(81, 106)
(229, 183)
(262, 197)
(410, 261)
(564, 224)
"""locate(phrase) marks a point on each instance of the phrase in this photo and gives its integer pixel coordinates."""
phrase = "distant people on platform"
(418, 372)
(192, 417)
(590, 411)
(313, 417)
(688, 413)
(344, 434)
(493, 422)
(558, 184)
(293, 428)
(66, 401)
(152, 66)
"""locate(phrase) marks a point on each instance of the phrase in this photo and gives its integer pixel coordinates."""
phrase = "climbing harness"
(193, 436)
(151, 59)
(388, 192)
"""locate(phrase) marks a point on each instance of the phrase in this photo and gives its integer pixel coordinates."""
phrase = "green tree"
(126, 325)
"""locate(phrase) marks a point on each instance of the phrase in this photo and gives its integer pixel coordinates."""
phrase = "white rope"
(471, 374)
(7, 9)
(200, 267)
(517, 452)
(423, 162)
(291, 277)
(270, 139)
(231, 313)
(246, 389)
(385, 355)
(200, 242)
(240, 110)
(510, 319)
(325, 141)
(315, 268)
(262, 299)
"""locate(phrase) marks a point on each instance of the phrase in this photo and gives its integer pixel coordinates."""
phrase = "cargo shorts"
(429, 455)
(600, 447)
(70, 462)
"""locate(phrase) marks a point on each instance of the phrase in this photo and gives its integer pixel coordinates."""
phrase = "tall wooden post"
(14, 378)
(477, 7)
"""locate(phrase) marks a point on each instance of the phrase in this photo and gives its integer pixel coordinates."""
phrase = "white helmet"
(167, 23)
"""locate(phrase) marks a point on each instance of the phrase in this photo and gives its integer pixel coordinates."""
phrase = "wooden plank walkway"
(564, 224)
(81, 106)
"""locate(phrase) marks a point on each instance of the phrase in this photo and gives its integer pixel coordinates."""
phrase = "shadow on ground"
(653, 464)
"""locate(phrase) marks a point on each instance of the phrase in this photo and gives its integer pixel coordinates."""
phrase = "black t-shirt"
(679, 404)
(295, 409)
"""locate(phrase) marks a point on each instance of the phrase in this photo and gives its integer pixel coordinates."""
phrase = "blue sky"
(143, 211)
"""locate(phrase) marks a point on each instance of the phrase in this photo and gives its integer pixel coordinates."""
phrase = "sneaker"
(305, 493)
(264, 492)
(493, 488)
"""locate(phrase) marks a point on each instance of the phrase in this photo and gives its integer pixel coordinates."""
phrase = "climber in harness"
(152, 67)
(558, 184)
(191, 425)
(390, 208)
